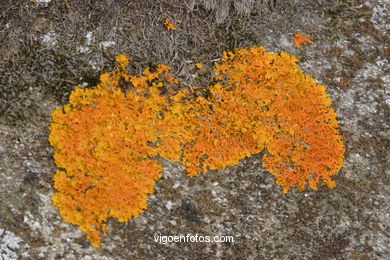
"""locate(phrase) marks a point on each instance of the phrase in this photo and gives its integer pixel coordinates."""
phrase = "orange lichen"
(300, 40)
(107, 139)
(284, 110)
(122, 60)
(102, 142)
(169, 25)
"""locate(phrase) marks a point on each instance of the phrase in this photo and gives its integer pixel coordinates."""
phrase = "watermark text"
(165, 239)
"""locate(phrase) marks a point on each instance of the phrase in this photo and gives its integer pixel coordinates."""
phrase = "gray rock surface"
(47, 47)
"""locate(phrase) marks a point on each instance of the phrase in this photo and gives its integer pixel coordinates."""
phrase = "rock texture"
(47, 47)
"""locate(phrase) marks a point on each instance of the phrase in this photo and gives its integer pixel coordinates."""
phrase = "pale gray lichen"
(9, 246)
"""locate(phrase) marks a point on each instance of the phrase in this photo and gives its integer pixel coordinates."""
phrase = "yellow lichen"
(107, 139)
(199, 66)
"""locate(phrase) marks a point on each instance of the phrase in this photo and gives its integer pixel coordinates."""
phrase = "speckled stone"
(48, 48)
